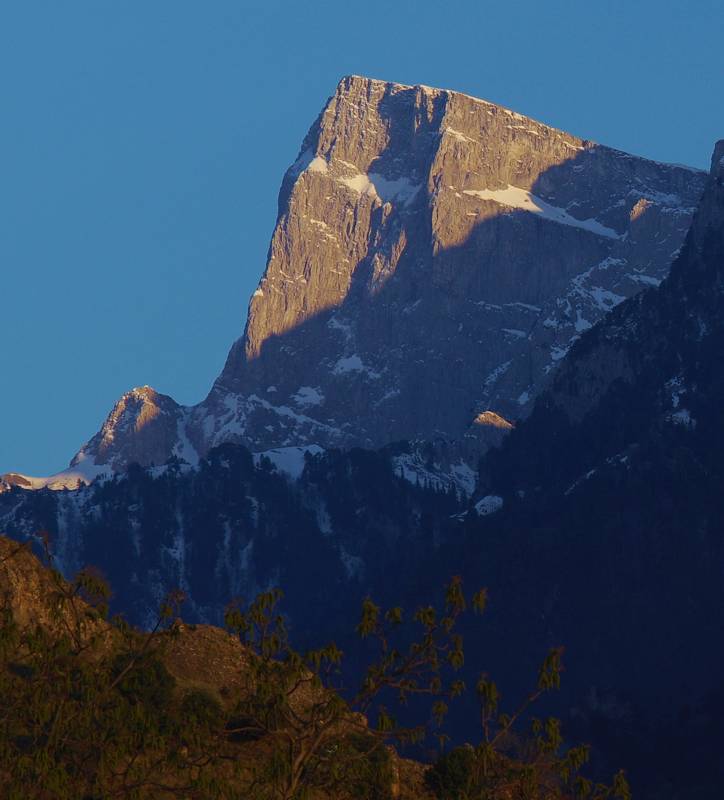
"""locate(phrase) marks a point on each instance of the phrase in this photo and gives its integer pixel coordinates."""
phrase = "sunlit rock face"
(434, 258)
(144, 427)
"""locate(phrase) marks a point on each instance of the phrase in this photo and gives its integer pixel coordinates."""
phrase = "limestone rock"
(434, 258)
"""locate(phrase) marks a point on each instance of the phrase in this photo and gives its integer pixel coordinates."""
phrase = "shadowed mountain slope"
(609, 533)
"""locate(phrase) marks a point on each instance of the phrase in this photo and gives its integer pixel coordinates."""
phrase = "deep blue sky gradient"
(142, 145)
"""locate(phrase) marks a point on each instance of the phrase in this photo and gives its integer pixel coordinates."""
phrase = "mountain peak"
(353, 84)
(434, 257)
(142, 427)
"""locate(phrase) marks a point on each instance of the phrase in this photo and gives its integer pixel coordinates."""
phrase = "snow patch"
(390, 394)
(516, 333)
(81, 473)
(489, 504)
(582, 324)
(183, 448)
(604, 298)
(683, 417)
(465, 477)
(317, 164)
(513, 197)
(289, 460)
(412, 468)
(676, 387)
(579, 481)
(408, 309)
(646, 280)
(558, 352)
(496, 373)
(461, 137)
(373, 185)
(353, 565)
(343, 326)
(307, 396)
(308, 162)
(352, 363)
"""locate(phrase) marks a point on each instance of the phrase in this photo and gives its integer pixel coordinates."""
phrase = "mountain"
(607, 533)
(596, 524)
(650, 372)
(434, 258)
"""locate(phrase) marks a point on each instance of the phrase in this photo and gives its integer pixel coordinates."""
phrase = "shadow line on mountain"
(512, 257)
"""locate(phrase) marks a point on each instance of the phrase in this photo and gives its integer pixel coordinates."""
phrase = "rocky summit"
(434, 258)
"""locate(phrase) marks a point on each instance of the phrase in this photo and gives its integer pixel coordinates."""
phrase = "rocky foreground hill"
(95, 708)
(434, 258)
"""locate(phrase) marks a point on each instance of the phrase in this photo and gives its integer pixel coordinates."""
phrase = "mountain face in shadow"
(235, 525)
(650, 370)
(434, 258)
(610, 538)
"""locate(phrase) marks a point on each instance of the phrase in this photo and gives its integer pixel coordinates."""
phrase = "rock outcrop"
(434, 258)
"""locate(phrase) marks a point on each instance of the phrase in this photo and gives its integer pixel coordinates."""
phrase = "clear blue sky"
(142, 145)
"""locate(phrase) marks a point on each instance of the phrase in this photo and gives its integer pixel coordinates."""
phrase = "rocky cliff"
(434, 258)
